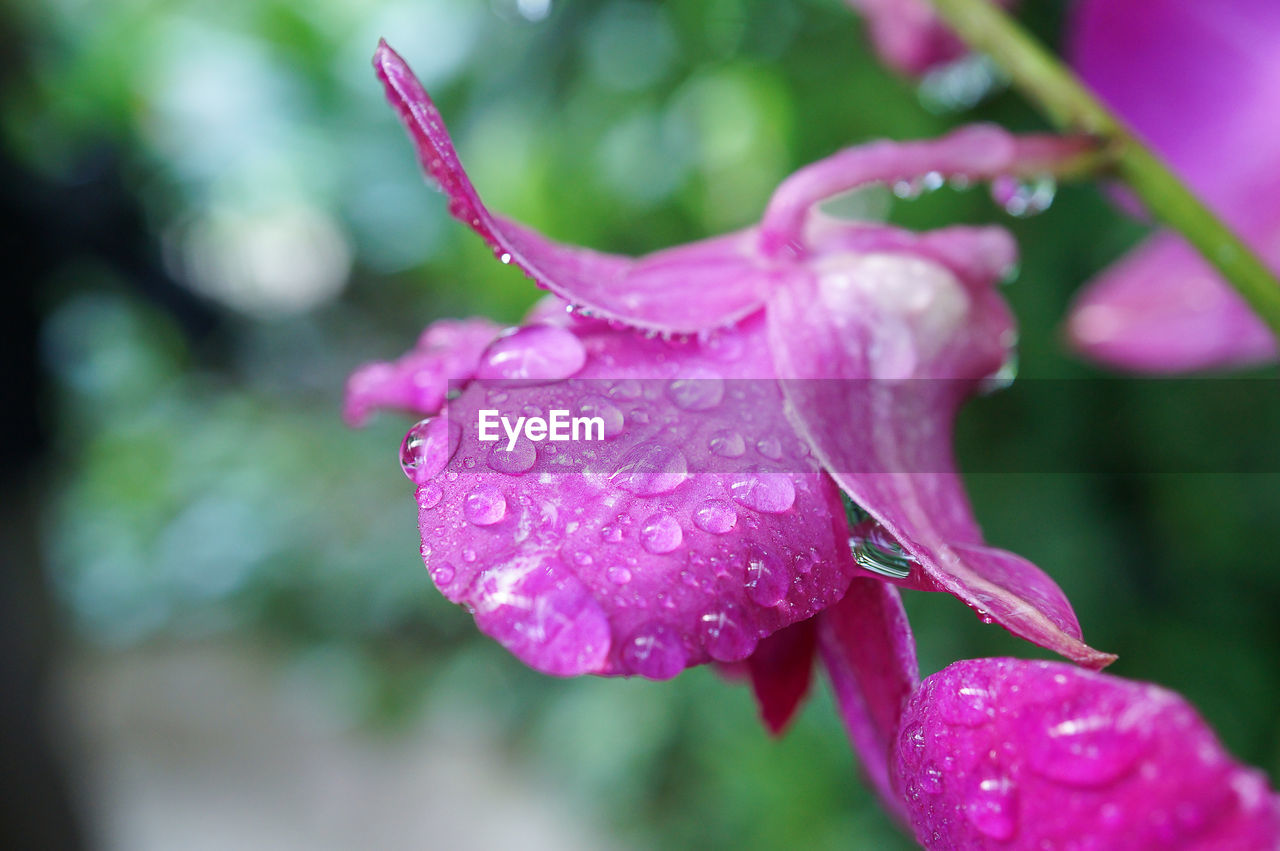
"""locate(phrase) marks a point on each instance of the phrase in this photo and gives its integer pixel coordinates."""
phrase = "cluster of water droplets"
(1022, 197)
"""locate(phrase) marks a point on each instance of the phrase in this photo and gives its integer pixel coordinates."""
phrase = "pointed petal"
(781, 671)
(698, 526)
(876, 354)
(1162, 308)
(1021, 755)
(870, 656)
(417, 382)
(681, 290)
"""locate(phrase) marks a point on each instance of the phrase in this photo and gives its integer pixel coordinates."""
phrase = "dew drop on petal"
(531, 353)
(770, 447)
(599, 406)
(766, 491)
(968, 706)
(649, 469)
(618, 575)
(428, 446)
(992, 808)
(655, 651)
(442, 574)
(1081, 749)
(485, 506)
(661, 533)
(696, 393)
(627, 388)
(520, 459)
(716, 516)
(727, 444)
(767, 582)
(724, 636)
(429, 495)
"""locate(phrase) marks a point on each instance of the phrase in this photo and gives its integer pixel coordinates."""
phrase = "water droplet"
(1081, 749)
(767, 582)
(1003, 377)
(429, 495)
(519, 460)
(428, 446)
(655, 651)
(968, 706)
(696, 393)
(716, 516)
(1024, 198)
(618, 575)
(770, 447)
(599, 406)
(908, 189)
(627, 388)
(532, 353)
(727, 444)
(504, 258)
(724, 637)
(469, 555)
(931, 780)
(650, 469)
(764, 490)
(661, 533)
(612, 534)
(485, 506)
(874, 549)
(442, 574)
(992, 808)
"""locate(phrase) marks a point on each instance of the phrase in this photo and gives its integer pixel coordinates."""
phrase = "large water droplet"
(485, 506)
(618, 575)
(700, 392)
(599, 406)
(661, 533)
(874, 549)
(992, 808)
(764, 490)
(532, 353)
(442, 574)
(519, 460)
(723, 635)
(969, 706)
(716, 516)
(627, 388)
(770, 447)
(1080, 748)
(767, 581)
(727, 444)
(650, 469)
(428, 446)
(655, 651)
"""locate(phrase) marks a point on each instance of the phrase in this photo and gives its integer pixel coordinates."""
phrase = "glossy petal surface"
(1021, 755)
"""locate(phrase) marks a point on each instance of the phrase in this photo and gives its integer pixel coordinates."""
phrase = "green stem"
(1049, 84)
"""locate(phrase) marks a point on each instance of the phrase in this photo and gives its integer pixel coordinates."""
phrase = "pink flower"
(1201, 83)
(741, 384)
(908, 35)
(1021, 755)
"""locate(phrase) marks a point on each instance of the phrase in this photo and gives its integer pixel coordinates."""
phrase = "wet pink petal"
(781, 671)
(1021, 755)
(870, 656)
(417, 382)
(877, 352)
(652, 292)
(698, 526)
(908, 35)
(1161, 308)
(1201, 83)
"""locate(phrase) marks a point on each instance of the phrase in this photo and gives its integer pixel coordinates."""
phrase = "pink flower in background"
(1021, 755)
(742, 382)
(908, 36)
(1201, 83)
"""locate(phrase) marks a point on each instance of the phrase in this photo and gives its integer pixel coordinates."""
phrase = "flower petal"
(1162, 308)
(870, 656)
(781, 672)
(651, 293)
(908, 36)
(876, 353)
(418, 381)
(698, 526)
(1015, 754)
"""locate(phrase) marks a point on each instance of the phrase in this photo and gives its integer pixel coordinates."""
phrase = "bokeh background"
(216, 629)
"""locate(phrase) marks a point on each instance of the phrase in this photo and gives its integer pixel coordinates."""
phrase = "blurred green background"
(242, 646)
